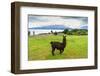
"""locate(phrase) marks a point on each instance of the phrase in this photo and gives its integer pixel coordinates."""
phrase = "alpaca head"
(64, 36)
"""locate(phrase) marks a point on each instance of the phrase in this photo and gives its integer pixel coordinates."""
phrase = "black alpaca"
(58, 45)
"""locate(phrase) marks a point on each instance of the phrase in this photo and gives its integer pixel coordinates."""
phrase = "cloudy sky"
(68, 21)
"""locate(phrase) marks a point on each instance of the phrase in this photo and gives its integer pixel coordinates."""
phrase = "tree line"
(76, 32)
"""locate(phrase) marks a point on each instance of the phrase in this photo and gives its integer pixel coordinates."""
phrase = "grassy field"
(39, 47)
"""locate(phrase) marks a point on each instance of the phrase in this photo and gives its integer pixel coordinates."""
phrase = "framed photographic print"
(52, 37)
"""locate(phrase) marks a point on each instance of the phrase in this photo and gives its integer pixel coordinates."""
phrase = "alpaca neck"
(64, 41)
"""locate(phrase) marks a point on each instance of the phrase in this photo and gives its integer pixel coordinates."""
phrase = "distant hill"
(57, 27)
(52, 27)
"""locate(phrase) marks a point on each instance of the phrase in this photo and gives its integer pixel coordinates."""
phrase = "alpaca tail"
(51, 42)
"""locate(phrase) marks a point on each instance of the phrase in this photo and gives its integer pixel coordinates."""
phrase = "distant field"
(39, 47)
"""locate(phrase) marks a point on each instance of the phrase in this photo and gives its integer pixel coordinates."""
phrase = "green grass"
(39, 47)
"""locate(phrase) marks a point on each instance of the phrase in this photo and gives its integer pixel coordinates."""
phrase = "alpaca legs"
(60, 51)
(53, 49)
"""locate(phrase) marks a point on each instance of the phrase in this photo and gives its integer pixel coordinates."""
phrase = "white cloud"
(52, 20)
